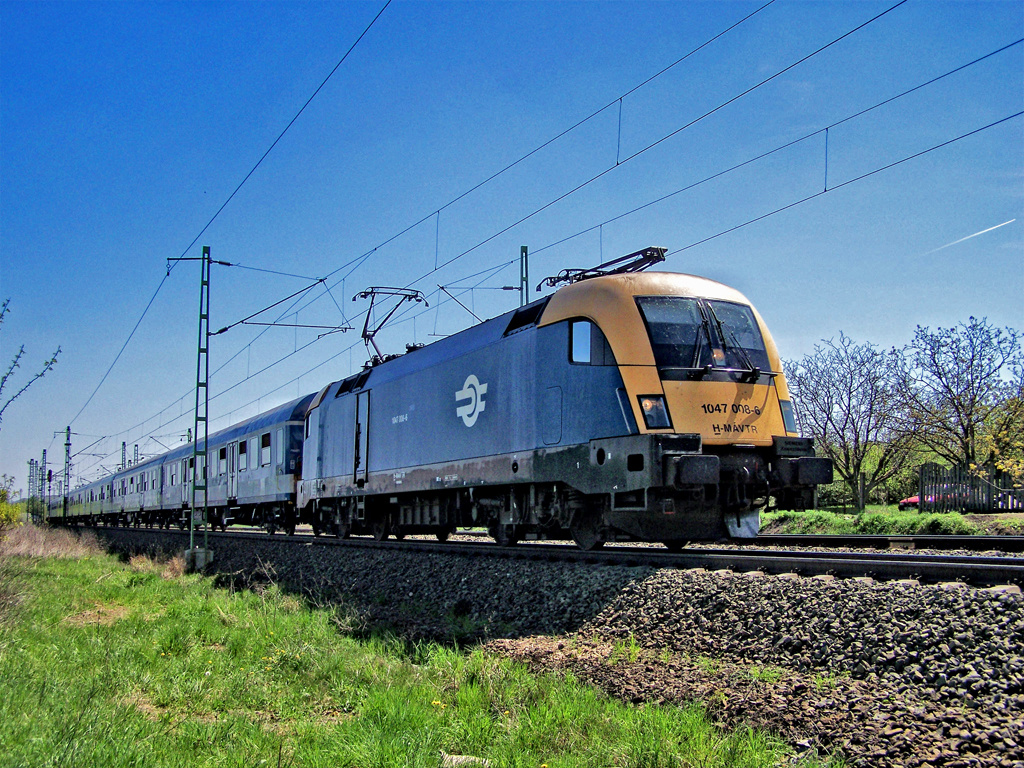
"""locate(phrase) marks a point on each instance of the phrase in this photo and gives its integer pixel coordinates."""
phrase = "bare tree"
(15, 364)
(966, 387)
(849, 400)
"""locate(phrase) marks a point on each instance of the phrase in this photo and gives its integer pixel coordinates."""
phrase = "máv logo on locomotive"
(473, 391)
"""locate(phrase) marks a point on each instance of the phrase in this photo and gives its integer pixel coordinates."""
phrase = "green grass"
(884, 520)
(110, 664)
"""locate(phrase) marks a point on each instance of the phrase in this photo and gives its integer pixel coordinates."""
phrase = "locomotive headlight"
(655, 411)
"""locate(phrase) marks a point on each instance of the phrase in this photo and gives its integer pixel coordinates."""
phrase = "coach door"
(232, 471)
(186, 482)
(362, 437)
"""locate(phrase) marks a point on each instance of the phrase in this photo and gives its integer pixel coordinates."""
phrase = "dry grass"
(167, 567)
(33, 541)
(101, 615)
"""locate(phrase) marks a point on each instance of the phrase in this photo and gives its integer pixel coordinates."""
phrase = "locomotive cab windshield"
(694, 338)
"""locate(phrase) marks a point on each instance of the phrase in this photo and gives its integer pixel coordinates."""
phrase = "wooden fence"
(944, 489)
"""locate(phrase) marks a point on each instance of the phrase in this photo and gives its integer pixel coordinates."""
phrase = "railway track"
(882, 565)
(972, 543)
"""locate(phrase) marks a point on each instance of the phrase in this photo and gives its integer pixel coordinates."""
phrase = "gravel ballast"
(885, 674)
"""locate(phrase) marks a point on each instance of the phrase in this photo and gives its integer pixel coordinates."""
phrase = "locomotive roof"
(609, 301)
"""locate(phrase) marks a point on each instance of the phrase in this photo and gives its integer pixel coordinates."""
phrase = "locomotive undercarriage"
(642, 487)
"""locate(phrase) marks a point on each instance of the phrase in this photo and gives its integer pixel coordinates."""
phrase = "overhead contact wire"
(848, 182)
(777, 149)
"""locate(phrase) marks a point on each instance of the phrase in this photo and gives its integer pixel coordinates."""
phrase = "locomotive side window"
(265, 450)
(588, 345)
(579, 341)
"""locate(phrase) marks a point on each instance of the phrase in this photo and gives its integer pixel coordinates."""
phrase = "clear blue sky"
(125, 126)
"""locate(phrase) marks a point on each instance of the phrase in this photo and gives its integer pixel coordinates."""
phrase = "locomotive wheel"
(586, 533)
(341, 530)
(443, 534)
(504, 535)
(675, 545)
(399, 533)
(380, 529)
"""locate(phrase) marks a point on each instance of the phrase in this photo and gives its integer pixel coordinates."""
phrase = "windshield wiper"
(753, 372)
(705, 331)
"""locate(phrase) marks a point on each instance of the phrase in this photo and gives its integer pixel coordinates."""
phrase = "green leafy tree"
(1001, 442)
(15, 364)
(849, 400)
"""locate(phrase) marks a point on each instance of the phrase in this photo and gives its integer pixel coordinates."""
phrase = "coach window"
(280, 447)
(243, 457)
(265, 450)
(222, 461)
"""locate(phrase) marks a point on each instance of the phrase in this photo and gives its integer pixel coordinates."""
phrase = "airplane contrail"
(947, 245)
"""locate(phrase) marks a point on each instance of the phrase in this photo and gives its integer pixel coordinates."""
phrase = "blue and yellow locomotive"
(639, 406)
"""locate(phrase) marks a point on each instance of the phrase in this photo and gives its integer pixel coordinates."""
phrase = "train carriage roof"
(292, 411)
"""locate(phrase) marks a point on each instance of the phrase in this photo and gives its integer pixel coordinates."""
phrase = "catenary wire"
(777, 149)
(639, 152)
(834, 187)
(225, 204)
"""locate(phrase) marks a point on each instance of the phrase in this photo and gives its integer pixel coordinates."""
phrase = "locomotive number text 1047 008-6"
(734, 408)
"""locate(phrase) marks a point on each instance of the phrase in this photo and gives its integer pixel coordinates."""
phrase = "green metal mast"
(200, 470)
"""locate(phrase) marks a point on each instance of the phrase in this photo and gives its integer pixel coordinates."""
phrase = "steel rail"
(884, 566)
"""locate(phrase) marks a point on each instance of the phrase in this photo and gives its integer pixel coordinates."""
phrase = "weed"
(826, 681)
(764, 674)
(627, 650)
(709, 665)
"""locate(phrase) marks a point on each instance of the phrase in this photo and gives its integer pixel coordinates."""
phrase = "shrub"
(9, 512)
